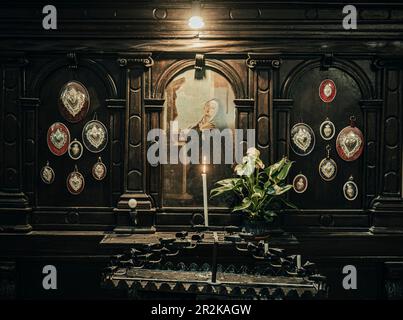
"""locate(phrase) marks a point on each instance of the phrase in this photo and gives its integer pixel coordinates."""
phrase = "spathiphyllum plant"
(258, 189)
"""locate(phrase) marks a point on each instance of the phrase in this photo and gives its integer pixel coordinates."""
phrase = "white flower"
(259, 164)
(253, 152)
(246, 168)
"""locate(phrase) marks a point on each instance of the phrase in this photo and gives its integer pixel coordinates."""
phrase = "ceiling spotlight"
(196, 20)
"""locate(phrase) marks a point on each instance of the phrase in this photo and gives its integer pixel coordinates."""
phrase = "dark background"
(275, 54)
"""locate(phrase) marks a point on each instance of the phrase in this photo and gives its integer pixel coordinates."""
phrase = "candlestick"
(205, 204)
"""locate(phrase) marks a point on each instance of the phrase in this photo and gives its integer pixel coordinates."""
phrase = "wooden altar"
(166, 268)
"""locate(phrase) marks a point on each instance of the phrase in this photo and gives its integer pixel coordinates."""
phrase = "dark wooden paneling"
(11, 171)
(95, 193)
(308, 108)
(391, 133)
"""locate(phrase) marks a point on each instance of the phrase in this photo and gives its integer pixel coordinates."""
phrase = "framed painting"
(197, 105)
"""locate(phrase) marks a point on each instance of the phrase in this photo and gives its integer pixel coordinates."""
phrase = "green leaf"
(270, 190)
(267, 184)
(244, 205)
(220, 190)
(288, 203)
(269, 215)
(284, 170)
(257, 195)
(230, 181)
(257, 189)
(275, 167)
(280, 190)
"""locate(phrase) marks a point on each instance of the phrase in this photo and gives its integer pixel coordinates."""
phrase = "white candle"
(204, 178)
(266, 247)
(299, 261)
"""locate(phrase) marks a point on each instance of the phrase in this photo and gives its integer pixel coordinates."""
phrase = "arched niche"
(214, 65)
(301, 88)
(195, 103)
(350, 68)
(101, 87)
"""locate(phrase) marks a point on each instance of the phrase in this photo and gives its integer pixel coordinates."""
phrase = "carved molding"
(263, 60)
(327, 61)
(216, 65)
(352, 69)
(153, 105)
(40, 79)
(138, 60)
(380, 62)
(14, 59)
(115, 103)
(199, 62)
(245, 104)
(26, 102)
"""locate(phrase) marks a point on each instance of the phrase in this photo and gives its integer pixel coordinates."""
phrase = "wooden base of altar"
(209, 264)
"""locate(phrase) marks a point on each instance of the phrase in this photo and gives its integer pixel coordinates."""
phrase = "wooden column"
(14, 204)
(263, 65)
(154, 109)
(117, 108)
(281, 126)
(372, 111)
(135, 149)
(387, 207)
(244, 120)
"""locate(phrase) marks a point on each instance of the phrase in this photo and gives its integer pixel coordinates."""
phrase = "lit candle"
(204, 178)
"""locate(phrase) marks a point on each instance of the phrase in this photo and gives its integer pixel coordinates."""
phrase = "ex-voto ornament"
(75, 149)
(327, 90)
(75, 182)
(95, 135)
(302, 139)
(47, 174)
(350, 142)
(300, 183)
(350, 189)
(327, 129)
(58, 138)
(328, 167)
(99, 170)
(74, 101)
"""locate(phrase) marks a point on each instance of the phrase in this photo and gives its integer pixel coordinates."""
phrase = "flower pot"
(261, 228)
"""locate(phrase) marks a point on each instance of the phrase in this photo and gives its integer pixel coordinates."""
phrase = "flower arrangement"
(258, 188)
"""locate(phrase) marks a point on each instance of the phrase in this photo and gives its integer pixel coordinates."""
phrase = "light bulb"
(196, 22)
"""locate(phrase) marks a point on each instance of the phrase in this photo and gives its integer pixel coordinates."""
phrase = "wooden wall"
(273, 54)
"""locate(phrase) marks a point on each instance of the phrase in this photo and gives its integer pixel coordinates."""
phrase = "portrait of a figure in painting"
(198, 105)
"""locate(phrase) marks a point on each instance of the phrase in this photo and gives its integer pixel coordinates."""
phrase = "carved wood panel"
(244, 120)
(136, 110)
(135, 161)
(11, 129)
(372, 111)
(116, 125)
(391, 129)
(303, 84)
(264, 113)
(29, 145)
(154, 108)
(281, 126)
